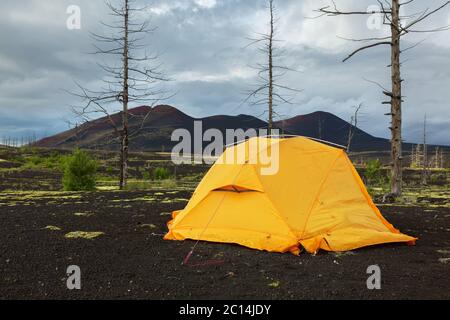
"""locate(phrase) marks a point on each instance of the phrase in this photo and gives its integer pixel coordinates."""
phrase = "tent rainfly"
(315, 200)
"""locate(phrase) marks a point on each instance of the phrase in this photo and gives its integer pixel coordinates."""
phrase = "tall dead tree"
(425, 153)
(417, 157)
(353, 126)
(269, 92)
(437, 157)
(390, 11)
(133, 75)
(320, 127)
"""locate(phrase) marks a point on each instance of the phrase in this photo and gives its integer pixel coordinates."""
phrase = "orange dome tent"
(315, 200)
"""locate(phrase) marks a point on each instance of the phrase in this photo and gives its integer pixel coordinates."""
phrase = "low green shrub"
(375, 178)
(438, 178)
(146, 175)
(373, 172)
(79, 172)
(52, 161)
(161, 173)
(109, 170)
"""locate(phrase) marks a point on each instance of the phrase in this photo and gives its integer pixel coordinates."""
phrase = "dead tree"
(437, 154)
(133, 77)
(320, 127)
(269, 92)
(353, 126)
(436, 158)
(425, 153)
(390, 10)
(416, 156)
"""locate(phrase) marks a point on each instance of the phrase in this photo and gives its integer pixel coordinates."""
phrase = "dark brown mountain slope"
(328, 127)
(154, 134)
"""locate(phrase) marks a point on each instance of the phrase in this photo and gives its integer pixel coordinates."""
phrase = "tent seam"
(276, 210)
(210, 191)
(319, 191)
(369, 200)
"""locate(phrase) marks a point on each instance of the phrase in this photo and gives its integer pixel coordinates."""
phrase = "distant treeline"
(18, 141)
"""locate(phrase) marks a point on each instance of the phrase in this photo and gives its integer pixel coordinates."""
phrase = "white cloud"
(166, 7)
(236, 73)
(38, 14)
(207, 4)
(161, 9)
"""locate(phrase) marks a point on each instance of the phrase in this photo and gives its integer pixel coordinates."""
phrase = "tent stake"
(186, 259)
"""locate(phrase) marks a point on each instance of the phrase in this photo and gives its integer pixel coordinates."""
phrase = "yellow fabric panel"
(242, 176)
(253, 223)
(304, 164)
(352, 238)
(343, 216)
(369, 199)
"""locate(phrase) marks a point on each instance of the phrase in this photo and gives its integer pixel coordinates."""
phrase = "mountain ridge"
(154, 134)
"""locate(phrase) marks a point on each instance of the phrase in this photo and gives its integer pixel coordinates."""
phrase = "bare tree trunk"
(271, 69)
(124, 137)
(425, 153)
(121, 163)
(353, 127)
(436, 158)
(396, 103)
(320, 127)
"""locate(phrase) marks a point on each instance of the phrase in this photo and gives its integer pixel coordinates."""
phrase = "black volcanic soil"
(41, 179)
(132, 261)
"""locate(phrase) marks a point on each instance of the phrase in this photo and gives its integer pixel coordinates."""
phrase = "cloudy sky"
(202, 45)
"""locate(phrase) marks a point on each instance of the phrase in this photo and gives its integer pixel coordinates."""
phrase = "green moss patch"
(52, 228)
(274, 284)
(148, 225)
(83, 214)
(343, 254)
(83, 235)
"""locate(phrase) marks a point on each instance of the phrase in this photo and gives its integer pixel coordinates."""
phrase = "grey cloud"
(39, 57)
